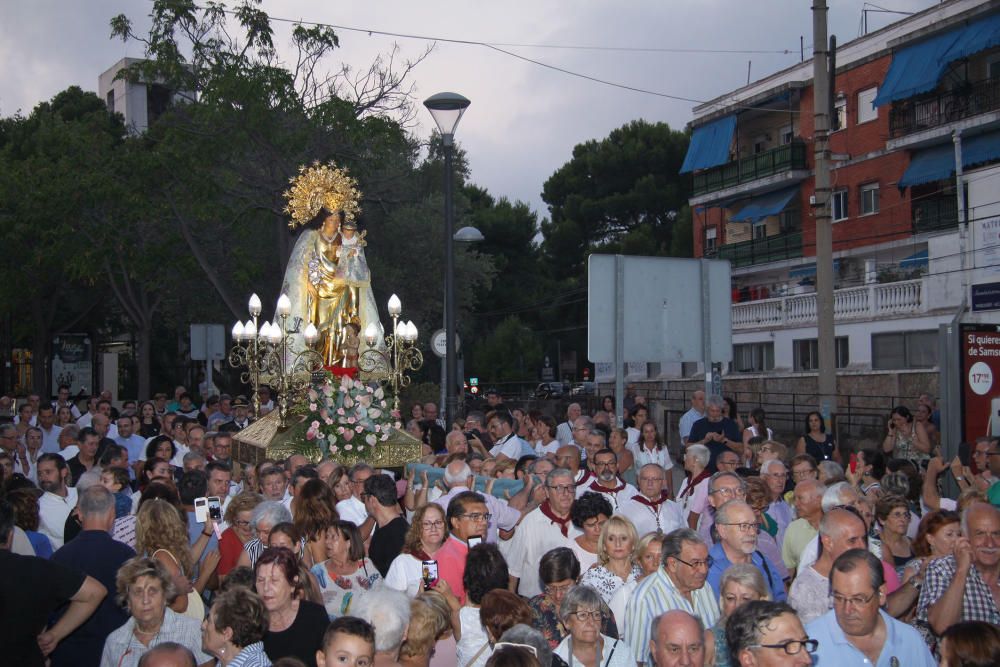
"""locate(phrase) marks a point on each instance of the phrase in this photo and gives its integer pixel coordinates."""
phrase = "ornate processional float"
(336, 373)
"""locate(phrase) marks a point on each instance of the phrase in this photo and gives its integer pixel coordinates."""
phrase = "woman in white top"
(545, 441)
(693, 494)
(647, 557)
(589, 513)
(757, 429)
(427, 533)
(651, 449)
(616, 564)
(585, 645)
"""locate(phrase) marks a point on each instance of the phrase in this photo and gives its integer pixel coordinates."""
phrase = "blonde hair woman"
(616, 564)
(161, 535)
(740, 583)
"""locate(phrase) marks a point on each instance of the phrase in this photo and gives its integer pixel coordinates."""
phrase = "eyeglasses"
(476, 516)
(855, 601)
(744, 527)
(993, 453)
(731, 492)
(792, 647)
(562, 488)
(583, 616)
(696, 564)
(554, 590)
(433, 524)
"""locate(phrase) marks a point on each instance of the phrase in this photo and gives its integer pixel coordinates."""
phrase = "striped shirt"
(655, 595)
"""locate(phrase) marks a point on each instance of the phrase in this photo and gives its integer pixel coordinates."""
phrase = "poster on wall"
(980, 380)
(987, 245)
(73, 363)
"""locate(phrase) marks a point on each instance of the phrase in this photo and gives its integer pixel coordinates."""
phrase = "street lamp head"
(469, 235)
(447, 110)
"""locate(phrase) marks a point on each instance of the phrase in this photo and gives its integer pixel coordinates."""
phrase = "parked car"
(551, 390)
(584, 389)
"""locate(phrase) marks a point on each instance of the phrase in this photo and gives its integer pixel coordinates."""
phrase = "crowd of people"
(129, 536)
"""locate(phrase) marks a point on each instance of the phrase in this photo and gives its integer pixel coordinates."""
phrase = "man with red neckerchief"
(606, 480)
(651, 509)
(568, 457)
(546, 527)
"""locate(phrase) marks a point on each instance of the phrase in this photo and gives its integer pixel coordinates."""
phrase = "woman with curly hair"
(161, 535)
(235, 627)
(427, 533)
(314, 511)
(589, 513)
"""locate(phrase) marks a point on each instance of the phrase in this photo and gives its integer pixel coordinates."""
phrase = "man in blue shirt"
(736, 524)
(856, 631)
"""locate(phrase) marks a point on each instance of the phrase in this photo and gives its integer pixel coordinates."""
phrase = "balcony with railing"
(937, 109)
(934, 214)
(767, 163)
(760, 251)
(868, 302)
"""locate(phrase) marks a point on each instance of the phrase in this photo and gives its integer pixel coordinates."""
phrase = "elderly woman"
(286, 536)
(893, 513)
(265, 516)
(427, 533)
(616, 564)
(235, 627)
(581, 613)
(589, 513)
(430, 623)
(347, 573)
(647, 557)
(145, 587)
(295, 627)
(314, 512)
(558, 571)
(693, 494)
(239, 515)
(740, 584)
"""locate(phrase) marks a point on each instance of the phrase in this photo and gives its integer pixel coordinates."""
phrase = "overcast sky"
(524, 119)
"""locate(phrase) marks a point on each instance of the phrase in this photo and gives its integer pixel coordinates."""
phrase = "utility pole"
(827, 375)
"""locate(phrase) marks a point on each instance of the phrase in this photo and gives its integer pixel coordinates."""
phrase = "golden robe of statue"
(329, 285)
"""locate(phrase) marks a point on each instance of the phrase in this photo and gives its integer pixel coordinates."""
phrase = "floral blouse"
(607, 582)
(339, 591)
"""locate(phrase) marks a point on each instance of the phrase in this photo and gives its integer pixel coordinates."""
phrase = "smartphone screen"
(215, 508)
(965, 453)
(429, 572)
(201, 510)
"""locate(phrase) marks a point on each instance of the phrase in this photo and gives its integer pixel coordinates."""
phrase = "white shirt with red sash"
(650, 516)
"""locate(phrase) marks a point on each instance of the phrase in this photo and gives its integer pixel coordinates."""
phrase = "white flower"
(371, 439)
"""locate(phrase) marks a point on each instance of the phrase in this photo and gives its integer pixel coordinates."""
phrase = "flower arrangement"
(349, 417)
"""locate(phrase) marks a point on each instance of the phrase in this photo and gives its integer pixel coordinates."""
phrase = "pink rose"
(359, 428)
(340, 430)
(348, 447)
(312, 407)
(314, 425)
(340, 411)
(351, 420)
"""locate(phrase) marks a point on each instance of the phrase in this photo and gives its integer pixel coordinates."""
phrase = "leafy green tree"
(511, 352)
(623, 191)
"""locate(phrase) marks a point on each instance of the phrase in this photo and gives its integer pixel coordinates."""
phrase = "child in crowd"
(348, 641)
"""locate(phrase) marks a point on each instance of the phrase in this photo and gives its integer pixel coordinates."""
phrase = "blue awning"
(918, 68)
(808, 270)
(935, 164)
(770, 204)
(914, 261)
(709, 145)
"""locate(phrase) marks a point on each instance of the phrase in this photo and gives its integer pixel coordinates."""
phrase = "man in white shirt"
(63, 401)
(136, 445)
(542, 530)
(353, 509)
(651, 509)
(506, 443)
(85, 419)
(58, 500)
(50, 432)
(606, 481)
(564, 432)
(696, 412)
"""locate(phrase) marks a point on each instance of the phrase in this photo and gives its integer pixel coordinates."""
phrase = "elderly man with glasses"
(857, 630)
(722, 487)
(737, 526)
(679, 583)
(546, 527)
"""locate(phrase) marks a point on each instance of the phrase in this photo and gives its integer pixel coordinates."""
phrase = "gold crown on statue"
(321, 186)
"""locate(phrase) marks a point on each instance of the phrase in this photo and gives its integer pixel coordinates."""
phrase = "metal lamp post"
(447, 110)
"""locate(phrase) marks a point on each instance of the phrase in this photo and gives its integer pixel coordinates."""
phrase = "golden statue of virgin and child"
(327, 279)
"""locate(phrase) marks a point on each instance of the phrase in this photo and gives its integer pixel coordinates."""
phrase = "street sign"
(439, 342)
(208, 342)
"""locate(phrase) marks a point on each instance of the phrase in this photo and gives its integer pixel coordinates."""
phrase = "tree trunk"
(143, 348)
